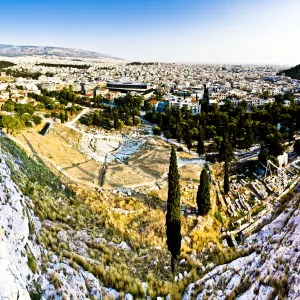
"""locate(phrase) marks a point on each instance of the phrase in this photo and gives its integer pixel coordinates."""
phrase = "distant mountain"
(293, 72)
(11, 50)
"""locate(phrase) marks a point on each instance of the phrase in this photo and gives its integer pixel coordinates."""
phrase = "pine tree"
(226, 178)
(66, 116)
(203, 195)
(62, 120)
(201, 137)
(173, 224)
(275, 143)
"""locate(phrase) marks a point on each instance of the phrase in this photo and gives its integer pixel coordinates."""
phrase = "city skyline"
(232, 31)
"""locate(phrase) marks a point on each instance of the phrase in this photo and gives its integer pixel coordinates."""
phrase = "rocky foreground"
(20, 255)
(271, 270)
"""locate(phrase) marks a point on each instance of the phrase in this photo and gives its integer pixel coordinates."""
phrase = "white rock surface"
(14, 233)
(274, 259)
(16, 278)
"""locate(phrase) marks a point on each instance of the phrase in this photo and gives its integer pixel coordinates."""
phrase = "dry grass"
(143, 230)
(60, 146)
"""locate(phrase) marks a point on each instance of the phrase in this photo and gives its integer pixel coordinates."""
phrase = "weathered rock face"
(272, 267)
(14, 239)
(66, 281)
(18, 250)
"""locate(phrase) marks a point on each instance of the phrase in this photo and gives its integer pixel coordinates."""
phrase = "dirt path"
(83, 112)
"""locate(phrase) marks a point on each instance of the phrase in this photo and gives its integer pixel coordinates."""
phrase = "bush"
(54, 114)
(219, 217)
(212, 148)
(54, 278)
(37, 120)
(35, 292)
(28, 123)
(31, 262)
(157, 130)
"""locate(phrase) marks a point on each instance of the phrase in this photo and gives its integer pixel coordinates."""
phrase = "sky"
(190, 31)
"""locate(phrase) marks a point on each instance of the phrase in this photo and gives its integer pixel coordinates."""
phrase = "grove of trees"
(23, 116)
(243, 128)
(124, 111)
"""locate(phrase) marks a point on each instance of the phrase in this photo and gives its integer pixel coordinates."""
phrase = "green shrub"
(219, 217)
(31, 262)
(37, 120)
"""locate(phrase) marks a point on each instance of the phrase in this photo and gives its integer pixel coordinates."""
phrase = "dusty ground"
(153, 158)
(60, 147)
(119, 175)
(147, 168)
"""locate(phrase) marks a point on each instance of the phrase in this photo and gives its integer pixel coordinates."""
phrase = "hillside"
(5, 64)
(270, 268)
(72, 247)
(293, 72)
(11, 50)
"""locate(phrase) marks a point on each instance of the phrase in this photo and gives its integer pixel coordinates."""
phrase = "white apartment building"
(190, 103)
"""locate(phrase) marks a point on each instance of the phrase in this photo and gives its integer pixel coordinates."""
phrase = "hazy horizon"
(213, 32)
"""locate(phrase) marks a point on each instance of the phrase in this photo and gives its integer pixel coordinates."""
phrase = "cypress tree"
(226, 178)
(62, 120)
(66, 116)
(178, 133)
(173, 224)
(201, 137)
(188, 138)
(249, 138)
(116, 120)
(203, 194)
(226, 152)
(160, 121)
(291, 132)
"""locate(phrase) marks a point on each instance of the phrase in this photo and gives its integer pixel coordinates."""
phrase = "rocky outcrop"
(20, 256)
(270, 269)
(15, 246)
